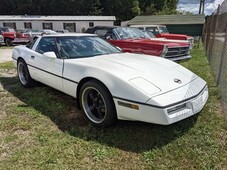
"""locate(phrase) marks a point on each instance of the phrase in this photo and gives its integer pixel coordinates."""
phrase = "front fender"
(119, 86)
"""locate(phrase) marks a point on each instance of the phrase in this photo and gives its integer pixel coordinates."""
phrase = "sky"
(193, 6)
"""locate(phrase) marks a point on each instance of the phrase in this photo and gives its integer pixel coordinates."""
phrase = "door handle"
(32, 57)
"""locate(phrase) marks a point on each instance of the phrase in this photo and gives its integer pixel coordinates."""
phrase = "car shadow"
(126, 135)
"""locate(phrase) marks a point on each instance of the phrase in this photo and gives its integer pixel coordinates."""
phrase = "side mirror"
(50, 55)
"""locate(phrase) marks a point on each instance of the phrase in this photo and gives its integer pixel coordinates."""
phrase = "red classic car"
(161, 31)
(135, 41)
(11, 36)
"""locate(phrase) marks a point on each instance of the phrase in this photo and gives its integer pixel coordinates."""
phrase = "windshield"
(8, 30)
(149, 33)
(163, 29)
(11, 30)
(84, 46)
(130, 33)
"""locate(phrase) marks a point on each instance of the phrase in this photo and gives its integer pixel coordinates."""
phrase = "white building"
(71, 23)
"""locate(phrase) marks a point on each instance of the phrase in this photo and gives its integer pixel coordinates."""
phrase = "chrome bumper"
(180, 59)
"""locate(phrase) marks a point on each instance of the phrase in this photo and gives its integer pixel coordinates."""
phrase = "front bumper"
(180, 59)
(162, 115)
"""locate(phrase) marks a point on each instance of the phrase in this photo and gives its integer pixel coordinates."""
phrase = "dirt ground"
(5, 55)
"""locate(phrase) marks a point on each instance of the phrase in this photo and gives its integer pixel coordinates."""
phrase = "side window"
(110, 35)
(91, 24)
(154, 30)
(31, 44)
(101, 32)
(47, 44)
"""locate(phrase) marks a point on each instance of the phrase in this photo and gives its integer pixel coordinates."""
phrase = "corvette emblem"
(177, 81)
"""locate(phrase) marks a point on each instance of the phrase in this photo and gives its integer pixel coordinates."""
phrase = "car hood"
(180, 36)
(170, 40)
(157, 42)
(163, 73)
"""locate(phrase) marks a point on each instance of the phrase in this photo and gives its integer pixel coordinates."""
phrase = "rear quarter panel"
(24, 53)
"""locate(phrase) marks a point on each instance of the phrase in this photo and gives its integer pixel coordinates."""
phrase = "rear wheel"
(8, 42)
(23, 74)
(97, 104)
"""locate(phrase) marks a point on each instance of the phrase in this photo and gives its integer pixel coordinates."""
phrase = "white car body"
(1, 39)
(160, 91)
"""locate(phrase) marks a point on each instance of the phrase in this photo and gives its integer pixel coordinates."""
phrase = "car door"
(45, 69)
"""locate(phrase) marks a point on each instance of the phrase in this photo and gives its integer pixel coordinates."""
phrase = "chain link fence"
(215, 44)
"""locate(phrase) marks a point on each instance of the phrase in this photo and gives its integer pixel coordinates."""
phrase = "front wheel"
(97, 104)
(8, 42)
(23, 74)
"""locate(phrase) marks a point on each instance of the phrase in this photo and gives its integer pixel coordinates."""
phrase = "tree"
(122, 9)
(92, 7)
(150, 10)
(158, 7)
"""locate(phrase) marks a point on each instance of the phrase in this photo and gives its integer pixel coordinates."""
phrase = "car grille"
(177, 52)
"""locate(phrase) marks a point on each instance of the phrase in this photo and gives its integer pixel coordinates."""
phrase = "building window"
(28, 25)
(47, 25)
(91, 24)
(9, 24)
(71, 27)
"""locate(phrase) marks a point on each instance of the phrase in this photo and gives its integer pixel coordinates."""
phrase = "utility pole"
(201, 9)
(201, 6)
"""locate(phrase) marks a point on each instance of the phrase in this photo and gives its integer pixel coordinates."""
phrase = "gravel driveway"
(5, 55)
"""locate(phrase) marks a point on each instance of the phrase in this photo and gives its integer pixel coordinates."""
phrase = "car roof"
(104, 27)
(89, 30)
(108, 27)
(146, 25)
(61, 29)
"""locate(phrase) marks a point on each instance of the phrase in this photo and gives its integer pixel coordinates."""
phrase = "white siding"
(58, 24)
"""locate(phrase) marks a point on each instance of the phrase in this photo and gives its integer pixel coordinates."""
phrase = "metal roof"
(168, 19)
(55, 18)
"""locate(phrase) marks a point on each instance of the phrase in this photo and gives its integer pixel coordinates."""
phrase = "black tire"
(24, 75)
(97, 104)
(8, 42)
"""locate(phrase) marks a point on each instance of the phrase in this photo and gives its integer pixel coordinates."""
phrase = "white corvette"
(110, 84)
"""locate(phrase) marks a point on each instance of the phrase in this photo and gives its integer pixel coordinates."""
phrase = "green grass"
(6, 47)
(7, 65)
(41, 128)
